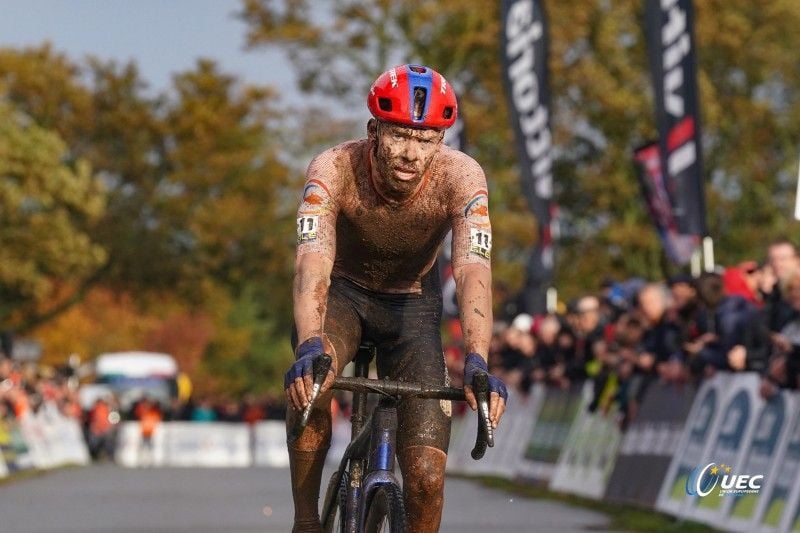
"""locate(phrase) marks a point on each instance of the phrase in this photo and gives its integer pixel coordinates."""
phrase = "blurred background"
(153, 154)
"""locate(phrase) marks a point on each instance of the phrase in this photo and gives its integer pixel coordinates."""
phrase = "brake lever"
(485, 437)
(321, 368)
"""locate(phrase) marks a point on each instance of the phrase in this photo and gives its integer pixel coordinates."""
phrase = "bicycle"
(363, 494)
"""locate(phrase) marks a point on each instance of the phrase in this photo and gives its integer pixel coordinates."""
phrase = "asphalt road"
(109, 499)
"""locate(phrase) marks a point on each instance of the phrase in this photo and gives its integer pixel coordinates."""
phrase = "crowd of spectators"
(26, 388)
(681, 330)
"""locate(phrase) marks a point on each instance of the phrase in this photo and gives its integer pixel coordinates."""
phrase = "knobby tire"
(386, 509)
(331, 525)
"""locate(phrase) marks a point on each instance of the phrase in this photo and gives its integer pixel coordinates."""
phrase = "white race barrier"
(53, 439)
(3, 468)
(186, 444)
(269, 447)
(587, 460)
(132, 452)
(214, 444)
(551, 413)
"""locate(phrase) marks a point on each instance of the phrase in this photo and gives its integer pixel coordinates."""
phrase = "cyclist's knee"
(317, 434)
(423, 472)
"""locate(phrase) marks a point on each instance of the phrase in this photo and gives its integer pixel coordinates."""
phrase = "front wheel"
(335, 522)
(386, 511)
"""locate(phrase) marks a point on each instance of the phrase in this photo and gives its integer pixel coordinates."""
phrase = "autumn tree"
(47, 206)
(198, 211)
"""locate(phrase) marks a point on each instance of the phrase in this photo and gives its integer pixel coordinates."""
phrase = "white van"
(134, 375)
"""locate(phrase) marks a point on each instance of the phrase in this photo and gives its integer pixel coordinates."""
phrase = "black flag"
(654, 192)
(670, 40)
(524, 50)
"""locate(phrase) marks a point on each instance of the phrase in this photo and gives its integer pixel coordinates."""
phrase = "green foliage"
(196, 194)
(46, 206)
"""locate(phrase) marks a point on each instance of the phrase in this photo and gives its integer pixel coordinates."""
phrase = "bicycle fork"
(380, 468)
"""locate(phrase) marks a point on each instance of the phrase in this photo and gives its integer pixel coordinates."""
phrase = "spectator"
(101, 433)
(587, 329)
(518, 346)
(148, 413)
(547, 365)
(252, 411)
(783, 370)
(743, 280)
(661, 345)
(782, 259)
(730, 336)
(204, 412)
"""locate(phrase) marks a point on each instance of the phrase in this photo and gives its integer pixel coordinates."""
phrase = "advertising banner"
(524, 49)
(670, 41)
(783, 507)
(648, 444)
(518, 420)
(726, 454)
(772, 424)
(678, 247)
(587, 459)
(552, 417)
(700, 430)
(209, 444)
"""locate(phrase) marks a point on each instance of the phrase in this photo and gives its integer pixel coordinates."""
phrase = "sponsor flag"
(678, 247)
(671, 51)
(524, 49)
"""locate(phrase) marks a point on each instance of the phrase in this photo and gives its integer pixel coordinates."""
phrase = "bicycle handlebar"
(484, 438)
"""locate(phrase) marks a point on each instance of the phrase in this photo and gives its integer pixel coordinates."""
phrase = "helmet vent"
(447, 112)
(418, 69)
(419, 102)
(385, 104)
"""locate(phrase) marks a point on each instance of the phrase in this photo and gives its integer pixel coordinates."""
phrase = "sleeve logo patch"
(480, 242)
(307, 227)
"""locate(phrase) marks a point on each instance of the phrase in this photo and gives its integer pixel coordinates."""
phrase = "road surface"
(105, 498)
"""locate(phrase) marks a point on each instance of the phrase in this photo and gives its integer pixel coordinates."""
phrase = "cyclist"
(373, 215)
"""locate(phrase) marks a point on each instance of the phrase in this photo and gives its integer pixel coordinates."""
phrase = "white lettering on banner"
(522, 33)
(682, 158)
(673, 81)
(674, 30)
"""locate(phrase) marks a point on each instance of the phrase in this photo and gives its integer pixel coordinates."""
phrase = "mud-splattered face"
(402, 155)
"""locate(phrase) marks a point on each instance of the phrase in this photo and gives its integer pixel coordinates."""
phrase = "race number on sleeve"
(307, 228)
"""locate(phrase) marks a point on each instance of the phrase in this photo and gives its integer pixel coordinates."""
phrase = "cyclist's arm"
(472, 245)
(316, 251)
(471, 253)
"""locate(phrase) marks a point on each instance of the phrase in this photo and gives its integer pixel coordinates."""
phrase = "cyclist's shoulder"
(333, 168)
(346, 152)
(463, 173)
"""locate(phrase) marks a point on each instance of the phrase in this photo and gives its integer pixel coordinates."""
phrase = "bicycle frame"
(372, 462)
(370, 454)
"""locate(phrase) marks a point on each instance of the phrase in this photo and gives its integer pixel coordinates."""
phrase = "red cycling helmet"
(413, 95)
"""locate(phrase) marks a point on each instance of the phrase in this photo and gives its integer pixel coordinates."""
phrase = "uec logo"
(703, 479)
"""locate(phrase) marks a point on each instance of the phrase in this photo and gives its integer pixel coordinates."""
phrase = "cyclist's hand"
(498, 395)
(299, 380)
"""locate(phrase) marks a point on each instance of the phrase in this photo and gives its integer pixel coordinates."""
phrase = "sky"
(162, 36)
